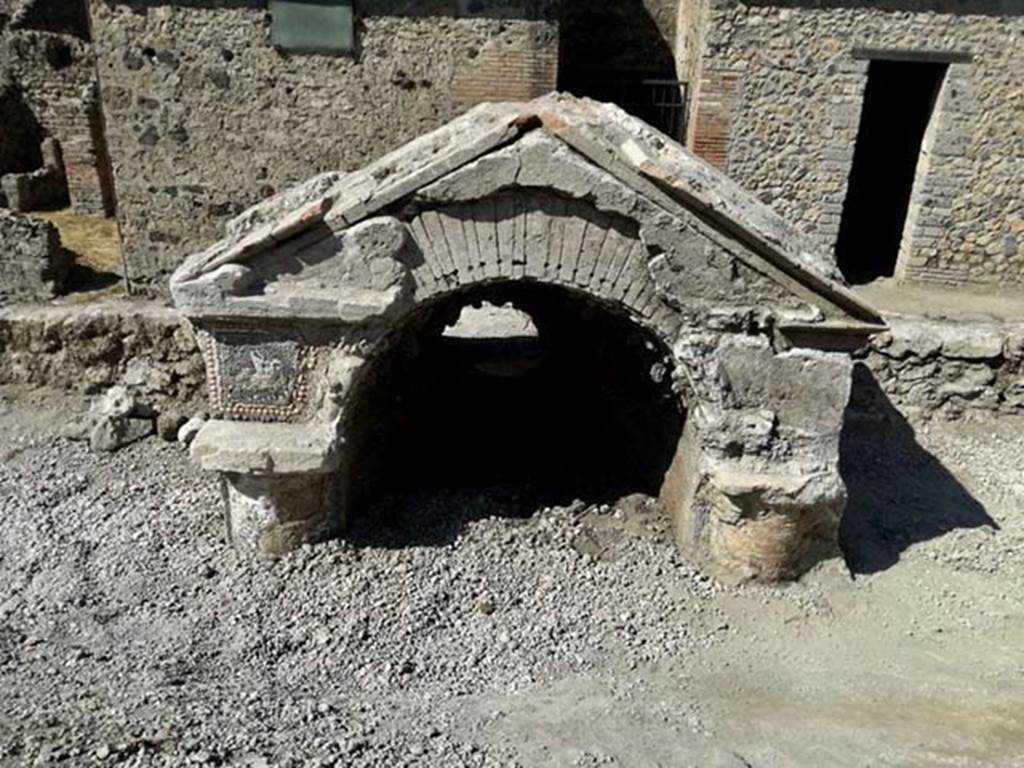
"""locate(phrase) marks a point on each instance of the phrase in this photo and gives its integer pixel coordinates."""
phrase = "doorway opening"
(530, 394)
(898, 105)
(616, 53)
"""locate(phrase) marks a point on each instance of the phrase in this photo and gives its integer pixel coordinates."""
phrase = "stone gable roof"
(634, 153)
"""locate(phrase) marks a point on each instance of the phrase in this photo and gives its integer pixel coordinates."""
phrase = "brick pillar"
(86, 162)
(713, 108)
(515, 67)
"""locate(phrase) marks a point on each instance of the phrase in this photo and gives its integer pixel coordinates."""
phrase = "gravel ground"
(461, 633)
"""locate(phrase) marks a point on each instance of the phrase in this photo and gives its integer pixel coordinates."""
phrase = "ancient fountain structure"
(311, 288)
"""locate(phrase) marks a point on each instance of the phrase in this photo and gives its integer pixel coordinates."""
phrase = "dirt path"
(130, 634)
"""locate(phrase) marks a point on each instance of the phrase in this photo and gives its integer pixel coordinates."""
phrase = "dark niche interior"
(582, 407)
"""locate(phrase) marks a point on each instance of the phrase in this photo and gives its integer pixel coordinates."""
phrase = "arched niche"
(563, 203)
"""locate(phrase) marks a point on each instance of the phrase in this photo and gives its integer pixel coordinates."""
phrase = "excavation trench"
(531, 392)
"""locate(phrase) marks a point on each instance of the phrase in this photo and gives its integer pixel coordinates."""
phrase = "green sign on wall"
(312, 26)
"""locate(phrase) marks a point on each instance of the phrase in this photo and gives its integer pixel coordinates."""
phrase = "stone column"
(754, 490)
(280, 482)
(745, 522)
(275, 514)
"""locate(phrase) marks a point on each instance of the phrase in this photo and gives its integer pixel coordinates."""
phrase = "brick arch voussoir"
(535, 236)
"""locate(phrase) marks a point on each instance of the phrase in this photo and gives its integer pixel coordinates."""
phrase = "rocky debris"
(118, 419)
(109, 434)
(169, 423)
(364, 652)
(455, 628)
(187, 432)
(485, 605)
(115, 419)
(145, 377)
(116, 402)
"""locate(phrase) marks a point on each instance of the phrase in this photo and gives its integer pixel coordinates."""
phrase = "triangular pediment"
(580, 150)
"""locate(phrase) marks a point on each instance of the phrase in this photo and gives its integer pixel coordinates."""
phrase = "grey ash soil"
(460, 633)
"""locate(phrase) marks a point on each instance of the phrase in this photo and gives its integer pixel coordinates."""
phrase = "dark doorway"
(898, 105)
(581, 408)
(22, 135)
(67, 17)
(615, 52)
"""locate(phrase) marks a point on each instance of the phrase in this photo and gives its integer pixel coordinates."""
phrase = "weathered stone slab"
(254, 448)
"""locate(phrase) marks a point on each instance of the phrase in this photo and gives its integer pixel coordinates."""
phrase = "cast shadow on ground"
(85, 278)
(899, 493)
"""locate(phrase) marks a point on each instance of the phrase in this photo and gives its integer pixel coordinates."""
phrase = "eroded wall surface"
(87, 348)
(45, 56)
(778, 107)
(206, 118)
(32, 263)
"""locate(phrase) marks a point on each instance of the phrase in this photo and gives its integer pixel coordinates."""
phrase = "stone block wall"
(41, 188)
(33, 191)
(205, 118)
(778, 107)
(87, 348)
(33, 265)
(946, 369)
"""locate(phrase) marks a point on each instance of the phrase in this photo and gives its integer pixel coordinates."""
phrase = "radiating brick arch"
(534, 235)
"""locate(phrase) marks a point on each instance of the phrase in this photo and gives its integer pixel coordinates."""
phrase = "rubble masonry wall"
(778, 107)
(32, 263)
(205, 118)
(56, 76)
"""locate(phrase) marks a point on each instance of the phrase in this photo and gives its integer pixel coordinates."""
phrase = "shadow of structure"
(899, 493)
(434, 516)
(84, 277)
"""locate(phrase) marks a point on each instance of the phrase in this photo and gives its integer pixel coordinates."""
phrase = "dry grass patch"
(95, 245)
